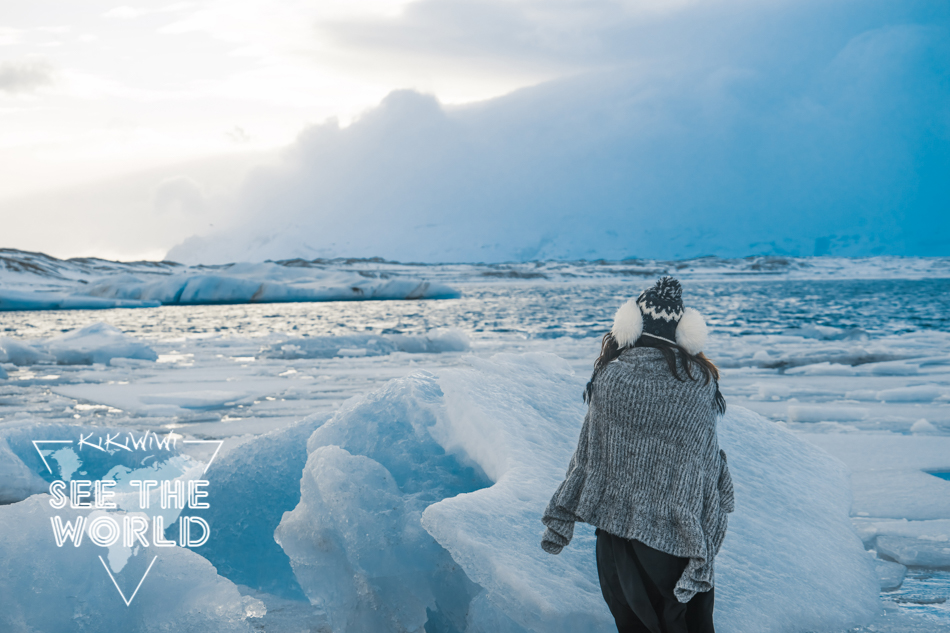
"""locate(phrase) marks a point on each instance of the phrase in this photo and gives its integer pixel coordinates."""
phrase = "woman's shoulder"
(648, 365)
(636, 360)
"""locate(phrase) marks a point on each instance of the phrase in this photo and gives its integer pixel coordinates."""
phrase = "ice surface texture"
(355, 540)
(422, 502)
(60, 590)
(97, 343)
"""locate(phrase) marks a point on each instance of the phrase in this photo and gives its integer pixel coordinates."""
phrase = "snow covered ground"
(411, 459)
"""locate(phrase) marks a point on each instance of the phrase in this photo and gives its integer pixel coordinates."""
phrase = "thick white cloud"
(800, 130)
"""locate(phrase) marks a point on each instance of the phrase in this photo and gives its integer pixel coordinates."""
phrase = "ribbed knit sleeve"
(558, 520)
(726, 495)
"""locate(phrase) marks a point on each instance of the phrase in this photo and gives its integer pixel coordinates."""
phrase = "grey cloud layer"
(805, 129)
(25, 76)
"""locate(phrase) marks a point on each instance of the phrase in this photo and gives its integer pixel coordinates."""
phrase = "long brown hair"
(609, 350)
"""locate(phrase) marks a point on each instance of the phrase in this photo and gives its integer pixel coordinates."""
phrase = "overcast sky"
(126, 129)
(92, 88)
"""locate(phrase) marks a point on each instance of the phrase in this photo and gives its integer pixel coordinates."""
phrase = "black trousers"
(637, 582)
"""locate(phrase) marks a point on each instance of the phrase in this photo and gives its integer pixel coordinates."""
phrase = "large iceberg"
(33, 281)
(420, 508)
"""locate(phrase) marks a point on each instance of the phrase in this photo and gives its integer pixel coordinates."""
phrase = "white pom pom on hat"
(628, 324)
(691, 332)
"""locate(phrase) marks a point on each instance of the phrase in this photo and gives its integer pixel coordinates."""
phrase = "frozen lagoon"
(859, 391)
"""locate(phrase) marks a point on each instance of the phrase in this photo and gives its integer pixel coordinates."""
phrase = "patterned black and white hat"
(659, 313)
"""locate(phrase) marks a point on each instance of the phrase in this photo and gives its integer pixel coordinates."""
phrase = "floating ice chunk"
(3, 374)
(434, 342)
(828, 333)
(98, 343)
(861, 394)
(201, 399)
(818, 413)
(920, 551)
(251, 487)
(891, 368)
(822, 369)
(517, 417)
(773, 391)
(354, 518)
(887, 473)
(869, 529)
(20, 353)
(761, 355)
(17, 480)
(354, 540)
(923, 427)
(58, 589)
(890, 574)
(919, 393)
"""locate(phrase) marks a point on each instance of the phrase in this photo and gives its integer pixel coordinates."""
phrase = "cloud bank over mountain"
(727, 129)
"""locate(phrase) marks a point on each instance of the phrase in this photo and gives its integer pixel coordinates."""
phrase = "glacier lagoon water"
(540, 310)
(836, 356)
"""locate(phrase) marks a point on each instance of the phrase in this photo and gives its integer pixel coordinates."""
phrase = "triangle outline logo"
(128, 601)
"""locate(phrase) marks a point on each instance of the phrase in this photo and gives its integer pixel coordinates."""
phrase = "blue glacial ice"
(420, 507)
(355, 540)
(32, 455)
(251, 486)
(59, 589)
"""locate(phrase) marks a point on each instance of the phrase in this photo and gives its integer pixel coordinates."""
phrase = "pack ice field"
(381, 463)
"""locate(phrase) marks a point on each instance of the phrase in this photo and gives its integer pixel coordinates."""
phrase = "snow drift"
(420, 507)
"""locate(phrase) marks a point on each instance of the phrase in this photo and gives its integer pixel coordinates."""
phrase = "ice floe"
(97, 343)
(434, 342)
(889, 473)
(890, 574)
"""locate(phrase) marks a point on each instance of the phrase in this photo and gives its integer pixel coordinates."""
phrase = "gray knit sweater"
(648, 467)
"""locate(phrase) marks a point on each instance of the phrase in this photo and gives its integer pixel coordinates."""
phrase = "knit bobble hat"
(662, 308)
(659, 313)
